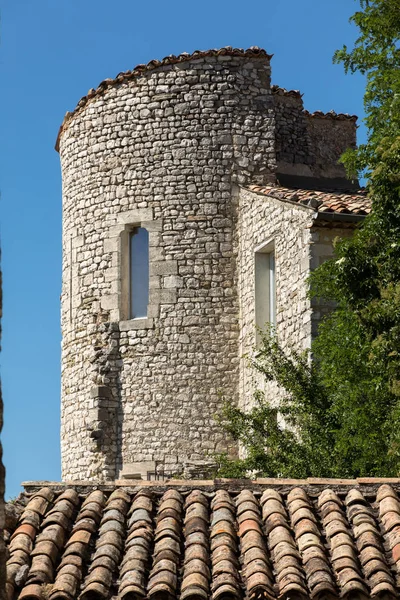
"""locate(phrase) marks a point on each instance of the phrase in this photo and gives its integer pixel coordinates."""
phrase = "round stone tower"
(151, 163)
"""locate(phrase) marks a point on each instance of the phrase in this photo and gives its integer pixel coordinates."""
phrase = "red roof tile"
(223, 540)
(318, 114)
(280, 91)
(351, 203)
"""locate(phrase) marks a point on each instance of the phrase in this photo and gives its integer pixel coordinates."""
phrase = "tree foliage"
(342, 410)
(376, 55)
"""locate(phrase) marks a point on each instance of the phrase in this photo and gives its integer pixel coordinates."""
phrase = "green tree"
(376, 55)
(343, 411)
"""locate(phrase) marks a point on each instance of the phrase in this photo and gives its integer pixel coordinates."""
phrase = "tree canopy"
(340, 415)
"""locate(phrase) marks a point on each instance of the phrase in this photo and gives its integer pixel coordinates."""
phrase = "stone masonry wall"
(307, 144)
(322, 243)
(261, 220)
(293, 148)
(329, 138)
(162, 151)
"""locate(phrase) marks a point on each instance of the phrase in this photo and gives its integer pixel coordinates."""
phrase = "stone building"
(196, 199)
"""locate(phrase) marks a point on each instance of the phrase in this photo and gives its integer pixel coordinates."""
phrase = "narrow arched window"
(139, 272)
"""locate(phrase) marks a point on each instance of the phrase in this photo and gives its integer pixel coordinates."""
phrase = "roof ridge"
(324, 201)
(199, 483)
(281, 91)
(331, 114)
(342, 192)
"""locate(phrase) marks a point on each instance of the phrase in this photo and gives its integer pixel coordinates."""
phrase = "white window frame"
(264, 287)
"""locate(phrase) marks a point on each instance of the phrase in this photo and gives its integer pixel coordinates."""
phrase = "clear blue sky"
(52, 52)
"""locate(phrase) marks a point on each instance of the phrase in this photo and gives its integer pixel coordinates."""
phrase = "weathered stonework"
(301, 242)
(168, 149)
(260, 222)
(310, 145)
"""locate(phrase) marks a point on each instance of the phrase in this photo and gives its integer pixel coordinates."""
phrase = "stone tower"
(160, 151)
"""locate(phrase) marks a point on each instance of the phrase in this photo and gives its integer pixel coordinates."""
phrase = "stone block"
(162, 296)
(111, 244)
(172, 281)
(135, 216)
(78, 241)
(132, 324)
(109, 301)
(137, 470)
(100, 391)
(153, 226)
(164, 267)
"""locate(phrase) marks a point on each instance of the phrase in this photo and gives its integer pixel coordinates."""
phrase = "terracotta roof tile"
(211, 543)
(280, 91)
(351, 203)
(318, 114)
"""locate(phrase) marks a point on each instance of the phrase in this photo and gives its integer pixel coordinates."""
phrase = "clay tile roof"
(280, 91)
(139, 70)
(261, 540)
(350, 203)
(318, 114)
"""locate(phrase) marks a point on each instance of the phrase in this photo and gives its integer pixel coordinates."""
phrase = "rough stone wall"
(329, 138)
(321, 249)
(293, 150)
(263, 220)
(163, 152)
(310, 145)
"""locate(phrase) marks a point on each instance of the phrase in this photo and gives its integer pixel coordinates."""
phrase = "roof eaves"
(338, 216)
(280, 197)
(319, 114)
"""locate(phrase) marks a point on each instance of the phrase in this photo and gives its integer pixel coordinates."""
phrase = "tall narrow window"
(139, 273)
(265, 292)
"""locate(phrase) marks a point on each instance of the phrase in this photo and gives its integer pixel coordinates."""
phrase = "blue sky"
(52, 52)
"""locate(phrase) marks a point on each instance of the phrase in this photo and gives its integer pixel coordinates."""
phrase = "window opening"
(265, 288)
(139, 272)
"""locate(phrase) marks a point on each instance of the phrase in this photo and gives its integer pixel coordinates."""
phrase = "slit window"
(265, 288)
(139, 272)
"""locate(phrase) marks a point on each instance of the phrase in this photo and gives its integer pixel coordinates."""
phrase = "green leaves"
(340, 416)
(376, 54)
(270, 436)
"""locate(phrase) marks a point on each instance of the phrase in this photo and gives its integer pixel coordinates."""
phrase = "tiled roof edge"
(252, 52)
(277, 195)
(327, 205)
(217, 483)
(318, 114)
(280, 91)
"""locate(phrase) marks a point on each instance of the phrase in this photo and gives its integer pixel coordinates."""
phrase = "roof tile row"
(281, 91)
(354, 203)
(201, 545)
